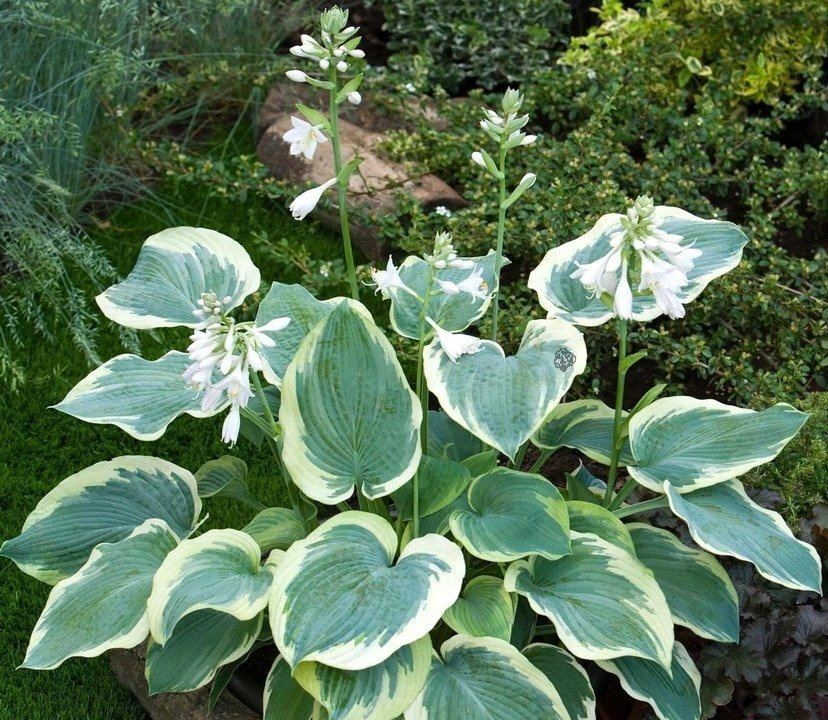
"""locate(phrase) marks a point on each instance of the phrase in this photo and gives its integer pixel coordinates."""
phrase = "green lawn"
(40, 447)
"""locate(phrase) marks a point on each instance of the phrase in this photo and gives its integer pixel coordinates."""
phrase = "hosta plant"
(422, 570)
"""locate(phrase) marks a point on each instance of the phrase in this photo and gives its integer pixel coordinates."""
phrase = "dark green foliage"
(460, 44)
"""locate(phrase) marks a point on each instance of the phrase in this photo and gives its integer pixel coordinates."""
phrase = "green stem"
(542, 630)
(520, 455)
(619, 405)
(641, 507)
(623, 493)
(501, 228)
(341, 186)
(541, 461)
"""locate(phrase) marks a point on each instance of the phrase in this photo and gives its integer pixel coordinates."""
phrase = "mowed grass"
(40, 447)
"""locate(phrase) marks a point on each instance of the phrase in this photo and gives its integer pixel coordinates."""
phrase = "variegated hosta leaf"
(725, 521)
(583, 486)
(225, 477)
(348, 415)
(275, 529)
(698, 589)
(603, 602)
(568, 677)
(339, 599)
(284, 698)
(304, 311)
(696, 443)
(447, 439)
(585, 425)
(481, 463)
(438, 522)
(103, 503)
(381, 692)
(200, 644)
(104, 604)
(512, 514)
(562, 296)
(439, 483)
(483, 609)
(485, 679)
(453, 313)
(523, 627)
(673, 695)
(586, 517)
(218, 570)
(503, 400)
(174, 268)
(141, 397)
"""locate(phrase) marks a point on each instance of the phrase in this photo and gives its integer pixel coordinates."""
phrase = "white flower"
(342, 66)
(599, 276)
(664, 280)
(354, 98)
(442, 210)
(461, 264)
(474, 285)
(387, 279)
(297, 76)
(455, 344)
(409, 87)
(528, 140)
(260, 333)
(308, 200)
(324, 64)
(622, 304)
(304, 137)
(236, 386)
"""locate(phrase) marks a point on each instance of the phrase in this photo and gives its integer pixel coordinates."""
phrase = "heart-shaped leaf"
(674, 695)
(512, 514)
(693, 443)
(484, 609)
(485, 679)
(141, 397)
(305, 313)
(439, 482)
(102, 504)
(566, 297)
(284, 698)
(568, 677)
(104, 604)
(275, 528)
(453, 313)
(587, 517)
(218, 570)
(377, 693)
(603, 602)
(503, 400)
(225, 477)
(698, 589)
(446, 439)
(338, 599)
(174, 268)
(348, 415)
(724, 520)
(585, 425)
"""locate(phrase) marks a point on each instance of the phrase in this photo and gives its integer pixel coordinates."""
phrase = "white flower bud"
(297, 76)
(324, 64)
(529, 139)
(342, 66)
(477, 158)
(354, 98)
(356, 53)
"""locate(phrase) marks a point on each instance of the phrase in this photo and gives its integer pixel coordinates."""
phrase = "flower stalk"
(617, 423)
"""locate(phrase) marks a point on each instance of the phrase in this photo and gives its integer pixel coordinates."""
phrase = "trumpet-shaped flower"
(308, 200)
(304, 138)
(474, 285)
(455, 345)
(388, 279)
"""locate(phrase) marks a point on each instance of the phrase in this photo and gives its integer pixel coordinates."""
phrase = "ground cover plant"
(419, 569)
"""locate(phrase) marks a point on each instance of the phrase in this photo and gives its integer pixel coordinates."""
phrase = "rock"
(128, 666)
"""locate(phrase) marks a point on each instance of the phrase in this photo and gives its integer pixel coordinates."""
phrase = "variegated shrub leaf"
(698, 589)
(218, 570)
(104, 604)
(339, 599)
(484, 609)
(696, 443)
(447, 439)
(568, 677)
(381, 692)
(141, 397)
(304, 311)
(674, 695)
(174, 268)
(485, 679)
(225, 477)
(512, 514)
(603, 602)
(102, 504)
(199, 645)
(724, 520)
(503, 400)
(453, 313)
(586, 517)
(565, 297)
(275, 529)
(348, 415)
(439, 483)
(284, 698)
(585, 425)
